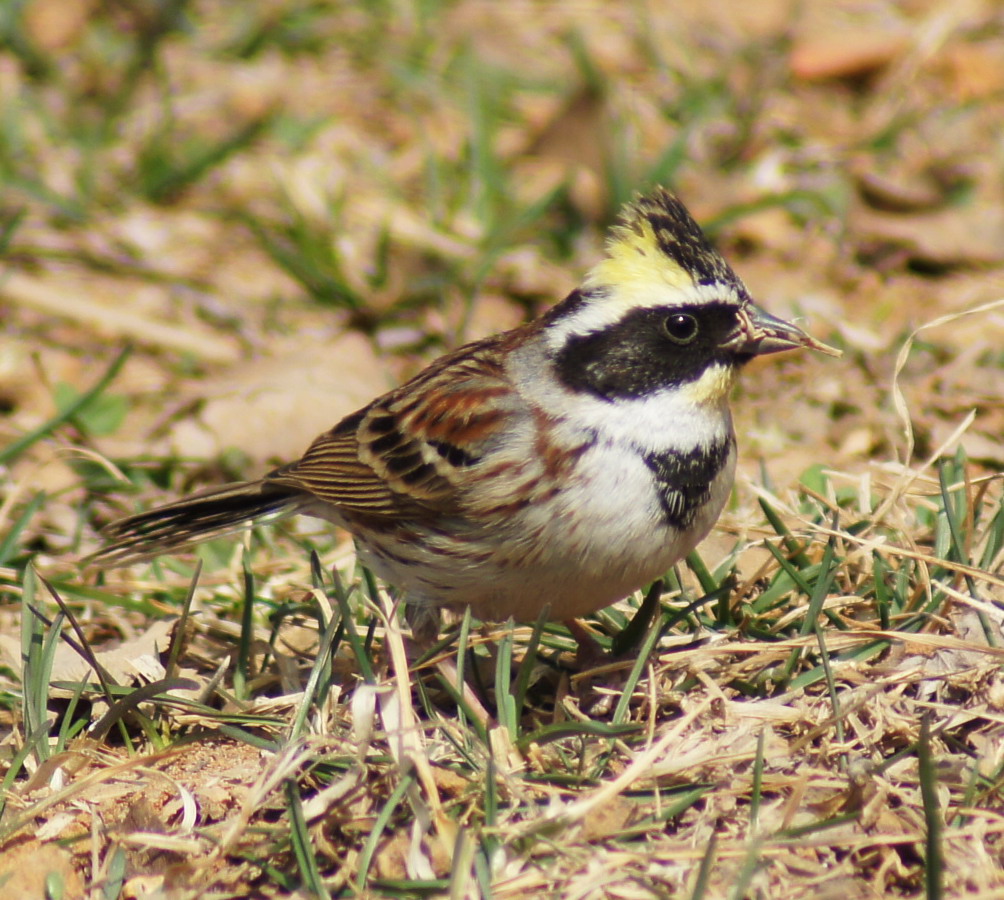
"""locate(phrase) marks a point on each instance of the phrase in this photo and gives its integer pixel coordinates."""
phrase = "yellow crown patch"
(657, 245)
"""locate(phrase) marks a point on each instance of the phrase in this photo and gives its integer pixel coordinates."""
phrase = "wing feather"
(412, 451)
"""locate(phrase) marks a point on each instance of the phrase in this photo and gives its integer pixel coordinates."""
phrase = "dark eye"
(681, 328)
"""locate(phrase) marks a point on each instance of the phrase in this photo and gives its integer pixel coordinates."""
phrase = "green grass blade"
(245, 643)
(319, 672)
(504, 699)
(39, 655)
(468, 714)
(115, 879)
(756, 791)
(130, 703)
(751, 863)
(9, 542)
(9, 224)
(638, 666)
(300, 839)
(558, 730)
(463, 638)
(704, 871)
(794, 574)
(793, 546)
(934, 861)
(821, 589)
(379, 826)
(178, 637)
(14, 450)
(528, 662)
(355, 642)
(831, 684)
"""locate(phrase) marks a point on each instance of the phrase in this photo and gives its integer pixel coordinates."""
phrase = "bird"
(551, 469)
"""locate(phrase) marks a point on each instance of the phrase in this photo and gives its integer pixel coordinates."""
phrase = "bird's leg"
(589, 652)
(626, 642)
(425, 623)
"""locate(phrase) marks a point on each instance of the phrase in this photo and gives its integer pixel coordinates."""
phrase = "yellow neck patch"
(713, 388)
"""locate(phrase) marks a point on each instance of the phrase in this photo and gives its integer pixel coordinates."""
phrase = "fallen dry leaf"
(128, 662)
(55, 24)
(71, 297)
(272, 408)
(28, 867)
(844, 54)
(971, 235)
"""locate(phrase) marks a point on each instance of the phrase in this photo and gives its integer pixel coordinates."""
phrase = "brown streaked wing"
(332, 471)
(409, 452)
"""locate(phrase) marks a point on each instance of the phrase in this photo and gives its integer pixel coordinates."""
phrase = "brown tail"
(197, 518)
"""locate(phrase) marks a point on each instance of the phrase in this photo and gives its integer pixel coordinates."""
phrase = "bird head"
(663, 309)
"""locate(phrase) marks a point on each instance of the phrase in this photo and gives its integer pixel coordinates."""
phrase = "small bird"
(560, 465)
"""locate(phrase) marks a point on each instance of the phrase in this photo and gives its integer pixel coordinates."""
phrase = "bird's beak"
(758, 332)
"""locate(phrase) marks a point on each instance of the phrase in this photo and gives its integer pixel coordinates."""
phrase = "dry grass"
(285, 207)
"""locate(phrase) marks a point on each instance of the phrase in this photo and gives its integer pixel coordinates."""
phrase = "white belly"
(579, 551)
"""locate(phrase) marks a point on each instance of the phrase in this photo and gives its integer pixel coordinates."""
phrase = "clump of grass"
(635, 754)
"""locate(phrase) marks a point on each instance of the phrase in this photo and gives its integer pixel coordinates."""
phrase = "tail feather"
(200, 517)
